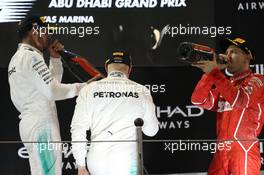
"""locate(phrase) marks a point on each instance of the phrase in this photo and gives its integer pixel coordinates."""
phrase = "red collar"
(240, 75)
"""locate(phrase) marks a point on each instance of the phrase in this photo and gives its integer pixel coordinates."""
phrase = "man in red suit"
(238, 102)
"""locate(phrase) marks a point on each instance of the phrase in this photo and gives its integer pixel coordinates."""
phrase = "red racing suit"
(239, 105)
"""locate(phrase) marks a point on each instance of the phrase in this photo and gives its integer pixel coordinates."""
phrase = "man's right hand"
(82, 171)
(54, 48)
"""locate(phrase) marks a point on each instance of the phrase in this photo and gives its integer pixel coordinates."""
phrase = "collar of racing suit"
(241, 75)
(29, 47)
(116, 74)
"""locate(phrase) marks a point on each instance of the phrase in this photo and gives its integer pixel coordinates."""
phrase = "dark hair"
(25, 26)
(23, 33)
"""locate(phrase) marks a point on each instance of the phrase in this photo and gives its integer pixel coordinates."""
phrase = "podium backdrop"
(96, 26)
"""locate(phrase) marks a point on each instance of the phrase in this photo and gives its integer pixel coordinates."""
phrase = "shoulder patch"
(34, 59)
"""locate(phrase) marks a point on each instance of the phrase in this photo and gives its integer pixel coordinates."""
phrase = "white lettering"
(179, 123)
(162, 125)
(190, 111)
(80, 3)
(163, 111)
(261, 4)
(51, 19)
(61, 4)
(23, 153)
(94, 3)
(177, 110)
(53, 3)
(172, 3)
(253, 6)
(136, 3)
(240, 7)
(250, 6)
(174, 125)
(68, 166)
(246, 5)
(76, 19)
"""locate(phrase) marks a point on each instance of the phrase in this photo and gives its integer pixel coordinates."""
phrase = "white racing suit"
(108, 109)
(34, 88)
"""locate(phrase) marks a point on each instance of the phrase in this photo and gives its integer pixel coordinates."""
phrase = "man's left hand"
(97, 77)
(207, 66)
